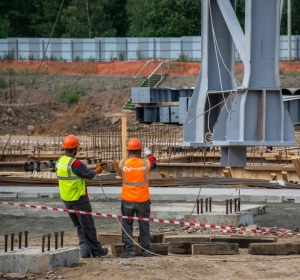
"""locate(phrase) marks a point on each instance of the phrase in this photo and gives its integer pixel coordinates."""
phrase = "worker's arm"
(81, 170)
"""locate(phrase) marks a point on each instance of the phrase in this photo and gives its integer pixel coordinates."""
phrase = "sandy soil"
(243, 266)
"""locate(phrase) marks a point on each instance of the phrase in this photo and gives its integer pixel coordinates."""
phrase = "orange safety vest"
(135, 186)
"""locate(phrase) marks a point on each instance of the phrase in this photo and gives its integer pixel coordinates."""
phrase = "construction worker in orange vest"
(136, 196)
(71, 173)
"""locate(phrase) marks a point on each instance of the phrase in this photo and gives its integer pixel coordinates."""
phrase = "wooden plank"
(185, 238)
(273, 176)
(110, 238)
(295, 161)
(219, 248)
(181, 248)
(274, 249)
(172, 175)
(156, 237)
(163, 174)
(157, 248)
(228, 168)
(226, 174)
(243, 241)
(117, 169)
(205, 175)
(124, 137)
(285, 176)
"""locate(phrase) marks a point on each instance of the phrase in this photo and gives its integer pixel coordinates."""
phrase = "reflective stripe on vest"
(69, 168)
(137, 183)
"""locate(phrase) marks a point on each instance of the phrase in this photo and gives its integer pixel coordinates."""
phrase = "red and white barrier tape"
(36, 142)
(172, 222)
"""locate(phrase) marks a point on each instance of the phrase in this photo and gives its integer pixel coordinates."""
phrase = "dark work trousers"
(85, 226)
(138, 209)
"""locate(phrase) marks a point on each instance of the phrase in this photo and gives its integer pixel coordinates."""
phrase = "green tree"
(163, 18)
(87, 18)
(295, 20)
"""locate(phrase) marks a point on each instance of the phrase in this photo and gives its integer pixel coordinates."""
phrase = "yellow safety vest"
(71, 186)
(135, 186)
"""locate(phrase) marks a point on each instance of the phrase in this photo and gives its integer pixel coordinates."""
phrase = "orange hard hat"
(134, 144)
(70, 142)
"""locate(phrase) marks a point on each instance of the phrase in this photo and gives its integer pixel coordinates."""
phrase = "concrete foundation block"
(235, 219)
(218, 248)
(157, 248)
(243, 241)
(274, 249)
(31, 259)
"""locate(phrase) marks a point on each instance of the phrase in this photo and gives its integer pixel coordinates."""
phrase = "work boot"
(147, 254)
(86, 256)
(103, 253)
(128, 254)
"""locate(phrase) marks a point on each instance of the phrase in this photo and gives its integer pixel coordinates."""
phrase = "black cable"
(22, 108)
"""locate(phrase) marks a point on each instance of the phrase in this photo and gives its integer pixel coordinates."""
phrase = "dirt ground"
(99, 102)
(241, 266)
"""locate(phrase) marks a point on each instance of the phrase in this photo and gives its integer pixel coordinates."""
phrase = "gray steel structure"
(251, 114)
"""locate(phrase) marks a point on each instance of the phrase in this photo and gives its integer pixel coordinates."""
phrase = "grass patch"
(66, 95)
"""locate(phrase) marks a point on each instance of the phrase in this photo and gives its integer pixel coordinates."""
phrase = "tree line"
(112, 18)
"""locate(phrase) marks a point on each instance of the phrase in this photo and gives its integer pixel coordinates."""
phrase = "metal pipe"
(234, 204)
(209, 199)
(48, 243)
(230, 205)
(5, 242)
(61, 239)
(227, 206)
(239, 204)
(43, 242)
(206, 204)
(56, 237)
(12, 235)
(198, 206)
(20, 239)
(201, 202)
(26, 238)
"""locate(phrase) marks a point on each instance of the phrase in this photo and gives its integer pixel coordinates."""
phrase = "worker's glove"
(99, 169)
(103, 165)
(147, 151)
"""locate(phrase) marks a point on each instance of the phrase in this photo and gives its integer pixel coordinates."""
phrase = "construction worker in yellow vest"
(71, 173)
(136, 196)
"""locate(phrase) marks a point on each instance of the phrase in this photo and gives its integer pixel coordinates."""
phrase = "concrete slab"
(8, 194)
(31, 259)
(235, 220)
(174, 194)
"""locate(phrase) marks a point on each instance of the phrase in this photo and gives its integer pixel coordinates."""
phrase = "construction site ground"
(99, 108)
(241, 266)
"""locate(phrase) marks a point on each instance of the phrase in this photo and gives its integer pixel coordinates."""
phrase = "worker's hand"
(147, 151)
